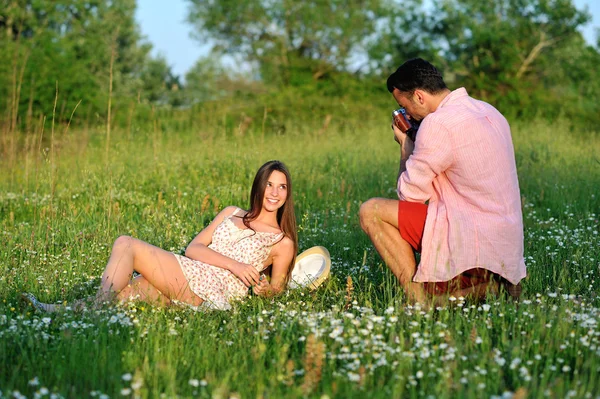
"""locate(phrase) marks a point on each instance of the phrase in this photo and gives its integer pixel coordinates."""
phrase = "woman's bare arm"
(198, 250)
(282, 255)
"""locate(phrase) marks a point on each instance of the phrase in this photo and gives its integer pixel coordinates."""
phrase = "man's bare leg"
(379, 219)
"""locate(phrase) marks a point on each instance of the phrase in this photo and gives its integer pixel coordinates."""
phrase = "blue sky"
(163, 24)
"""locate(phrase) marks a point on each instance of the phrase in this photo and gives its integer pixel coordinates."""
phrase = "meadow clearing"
(66, 196)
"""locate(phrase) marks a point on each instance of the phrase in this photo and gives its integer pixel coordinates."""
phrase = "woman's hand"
(263, 288)
(247, 273)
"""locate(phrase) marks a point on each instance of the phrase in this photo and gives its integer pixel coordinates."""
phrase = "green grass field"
(63, 201)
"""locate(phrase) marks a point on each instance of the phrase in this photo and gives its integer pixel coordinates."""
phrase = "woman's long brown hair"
(286, 218)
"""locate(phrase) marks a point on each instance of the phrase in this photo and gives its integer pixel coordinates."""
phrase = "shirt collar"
(454, 95)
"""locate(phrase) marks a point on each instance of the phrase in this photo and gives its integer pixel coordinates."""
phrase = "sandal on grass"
(31, 300)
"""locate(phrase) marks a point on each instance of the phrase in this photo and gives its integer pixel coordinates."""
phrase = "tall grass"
(60, 210)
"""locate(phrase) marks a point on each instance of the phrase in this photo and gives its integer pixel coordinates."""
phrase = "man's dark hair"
(416, 74)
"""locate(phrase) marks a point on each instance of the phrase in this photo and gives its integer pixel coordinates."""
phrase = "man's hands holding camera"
(403, 126)
(399, 135)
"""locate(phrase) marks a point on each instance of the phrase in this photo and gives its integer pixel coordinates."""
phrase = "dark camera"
(400, 120)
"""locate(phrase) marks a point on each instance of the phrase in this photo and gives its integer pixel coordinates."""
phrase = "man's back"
(484, 163)
(463, 164)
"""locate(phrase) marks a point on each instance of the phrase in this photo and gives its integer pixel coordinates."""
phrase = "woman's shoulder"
(285, 244)
(284, 250)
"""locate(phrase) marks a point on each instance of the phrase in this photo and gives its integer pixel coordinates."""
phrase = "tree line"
(527, 57)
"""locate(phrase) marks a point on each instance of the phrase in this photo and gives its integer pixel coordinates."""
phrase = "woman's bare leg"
(144, 291)
(162, 278)
(159, 268)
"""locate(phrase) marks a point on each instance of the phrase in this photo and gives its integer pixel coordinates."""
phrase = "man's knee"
(368, 213)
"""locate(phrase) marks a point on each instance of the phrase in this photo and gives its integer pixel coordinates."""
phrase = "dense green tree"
(502, 50)
(291, 42)
(203, 80)
(406, 30)
(525, 56)
(70, 44)
(159, 84)
(569, 81)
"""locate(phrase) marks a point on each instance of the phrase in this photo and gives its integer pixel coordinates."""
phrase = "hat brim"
(304, 274)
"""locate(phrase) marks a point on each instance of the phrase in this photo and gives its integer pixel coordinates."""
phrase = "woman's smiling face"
(276, 191)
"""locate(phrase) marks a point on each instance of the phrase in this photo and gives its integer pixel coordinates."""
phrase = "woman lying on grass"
(228, 256)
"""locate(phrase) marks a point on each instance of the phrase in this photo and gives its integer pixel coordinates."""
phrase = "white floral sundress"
(218, 286)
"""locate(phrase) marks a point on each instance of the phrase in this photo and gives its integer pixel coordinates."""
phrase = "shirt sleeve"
(432, 155)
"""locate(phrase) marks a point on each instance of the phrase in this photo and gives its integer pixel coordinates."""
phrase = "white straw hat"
(311, 268)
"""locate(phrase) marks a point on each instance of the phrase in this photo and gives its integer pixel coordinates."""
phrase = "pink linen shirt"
(463, 163)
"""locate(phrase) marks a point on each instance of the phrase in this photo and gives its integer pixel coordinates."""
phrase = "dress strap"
(276, 238)
(236, 212)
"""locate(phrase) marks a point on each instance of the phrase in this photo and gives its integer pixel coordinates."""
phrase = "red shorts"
(411, 223)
